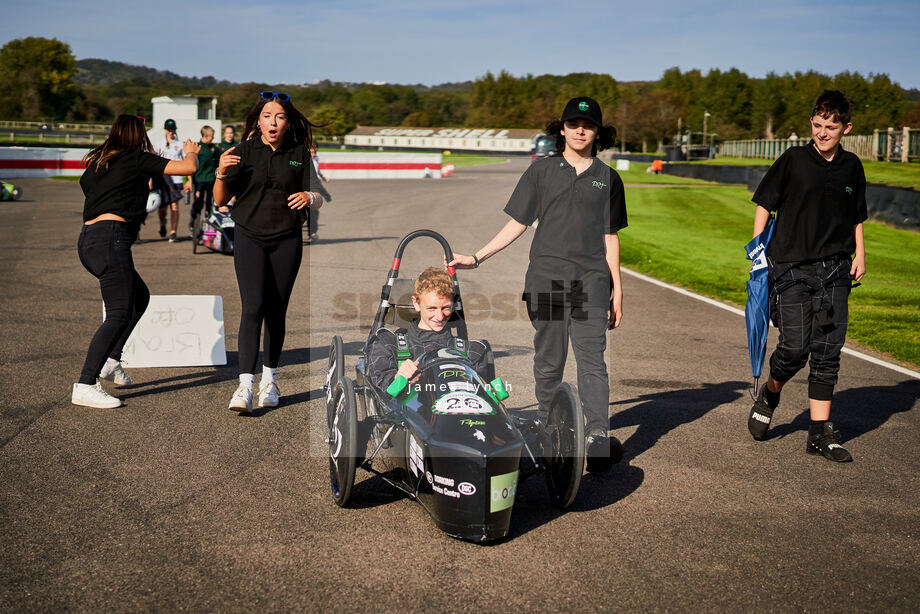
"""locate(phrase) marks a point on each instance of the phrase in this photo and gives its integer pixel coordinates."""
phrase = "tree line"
(41, 80)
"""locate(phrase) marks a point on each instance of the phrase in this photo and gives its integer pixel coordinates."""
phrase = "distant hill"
(105, 72)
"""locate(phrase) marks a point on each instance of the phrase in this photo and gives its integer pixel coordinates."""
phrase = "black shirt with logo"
(262, 182)
(817, 203)
(568, 263)
(122, 187)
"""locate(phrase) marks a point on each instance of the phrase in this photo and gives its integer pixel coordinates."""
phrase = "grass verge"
(695, 238)
(888, 173)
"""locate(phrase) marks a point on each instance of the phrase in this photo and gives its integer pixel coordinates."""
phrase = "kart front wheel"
(564, 451)
(343, 441)
(335, 368)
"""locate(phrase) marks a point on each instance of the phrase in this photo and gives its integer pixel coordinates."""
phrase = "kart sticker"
(503, 489)
(442, 485)
(465, 488)
(462, 403)
(465, 386)
(479, 435)
(416, 458)
(449, 365)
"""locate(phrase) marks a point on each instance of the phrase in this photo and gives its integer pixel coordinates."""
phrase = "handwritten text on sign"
(178, 331)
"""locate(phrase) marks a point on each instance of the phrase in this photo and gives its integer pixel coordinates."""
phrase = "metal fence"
(68, 127)
(891, 145)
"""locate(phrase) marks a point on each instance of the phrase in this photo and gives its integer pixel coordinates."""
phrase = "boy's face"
(207, 136)
(579, 135)
(434, 311)
(826, 132)
(229, 133)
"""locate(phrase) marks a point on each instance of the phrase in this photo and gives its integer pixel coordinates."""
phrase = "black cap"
(583, 107)
(170, 124)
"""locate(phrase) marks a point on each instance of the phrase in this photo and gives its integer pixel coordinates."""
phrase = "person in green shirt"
(201, 184)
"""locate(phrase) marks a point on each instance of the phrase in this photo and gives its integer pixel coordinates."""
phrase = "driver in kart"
(433, 299)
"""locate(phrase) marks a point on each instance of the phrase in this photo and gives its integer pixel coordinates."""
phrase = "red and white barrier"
(41, 161)
(55, 161)
(370, 165)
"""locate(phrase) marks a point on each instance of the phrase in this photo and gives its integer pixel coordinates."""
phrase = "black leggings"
(105, 251)
(265, 272)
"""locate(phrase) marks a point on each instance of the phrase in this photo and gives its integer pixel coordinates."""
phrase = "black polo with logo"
(568, 263)
(262, 182)
(817, 203)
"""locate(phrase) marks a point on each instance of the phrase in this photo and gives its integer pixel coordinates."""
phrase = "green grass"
(636, 174)
(888, 173)
(695, 238)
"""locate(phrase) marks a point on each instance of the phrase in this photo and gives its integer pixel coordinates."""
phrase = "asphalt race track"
(175, 503)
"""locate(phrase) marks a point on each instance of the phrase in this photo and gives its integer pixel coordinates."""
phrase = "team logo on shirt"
(849, 190)
(600, 185)
(296, 163)
(582, 106)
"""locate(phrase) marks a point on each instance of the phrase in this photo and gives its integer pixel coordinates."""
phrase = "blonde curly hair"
(434, 279)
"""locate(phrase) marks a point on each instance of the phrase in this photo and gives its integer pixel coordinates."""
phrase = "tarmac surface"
(172, 502)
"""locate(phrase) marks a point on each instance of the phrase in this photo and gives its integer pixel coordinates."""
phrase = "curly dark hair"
(606, 137)
(833, 104)
(300, 129)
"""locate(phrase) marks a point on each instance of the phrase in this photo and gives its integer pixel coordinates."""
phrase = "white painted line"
(740, 312)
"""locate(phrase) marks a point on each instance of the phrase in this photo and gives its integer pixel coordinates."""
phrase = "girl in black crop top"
(115, 187)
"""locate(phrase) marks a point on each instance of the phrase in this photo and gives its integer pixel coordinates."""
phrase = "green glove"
(397, 386)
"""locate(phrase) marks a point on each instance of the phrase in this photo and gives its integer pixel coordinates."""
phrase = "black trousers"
(105, 251)
(265, 272)
(204, 196)
(804, 332)
(586, 327)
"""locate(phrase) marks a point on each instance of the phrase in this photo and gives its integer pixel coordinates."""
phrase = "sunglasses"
(266, 95)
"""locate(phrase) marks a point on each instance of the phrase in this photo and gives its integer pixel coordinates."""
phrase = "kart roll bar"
(457, 315)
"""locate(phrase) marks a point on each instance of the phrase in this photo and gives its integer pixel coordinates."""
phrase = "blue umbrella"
(757, 309)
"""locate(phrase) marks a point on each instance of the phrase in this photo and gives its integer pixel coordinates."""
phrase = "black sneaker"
(173, 238)
(163, 231)
(824, 440)
(760, 416)
(602, 452)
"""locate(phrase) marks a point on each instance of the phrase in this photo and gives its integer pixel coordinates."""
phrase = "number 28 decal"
(462, 403)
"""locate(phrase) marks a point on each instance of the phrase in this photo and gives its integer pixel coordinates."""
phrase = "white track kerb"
(740, 312)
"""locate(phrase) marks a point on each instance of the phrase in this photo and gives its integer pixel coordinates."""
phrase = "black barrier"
(891, 204)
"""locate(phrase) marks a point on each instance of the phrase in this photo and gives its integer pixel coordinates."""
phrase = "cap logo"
(582, 106)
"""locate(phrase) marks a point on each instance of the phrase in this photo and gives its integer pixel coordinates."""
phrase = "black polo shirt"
(817, 203)
(568, 263)
(121, 188)
(262, 182)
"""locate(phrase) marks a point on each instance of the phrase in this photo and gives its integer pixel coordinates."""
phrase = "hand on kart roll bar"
(408, 369)
(461, 262)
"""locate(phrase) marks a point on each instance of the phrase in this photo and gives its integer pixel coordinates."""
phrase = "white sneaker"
(242, 399)
(268, 394)
(92, 395)
(115, 373)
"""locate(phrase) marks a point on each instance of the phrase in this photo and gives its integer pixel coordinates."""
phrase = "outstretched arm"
(505, 237)
(186, 166)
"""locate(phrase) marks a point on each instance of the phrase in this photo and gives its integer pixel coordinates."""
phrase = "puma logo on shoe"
(761, 418)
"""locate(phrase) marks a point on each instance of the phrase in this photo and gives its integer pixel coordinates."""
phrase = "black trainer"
(760, 416)
(163, 230)
(602, 452)
(824, 440)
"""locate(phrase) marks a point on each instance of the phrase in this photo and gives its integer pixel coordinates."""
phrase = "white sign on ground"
(178, 331)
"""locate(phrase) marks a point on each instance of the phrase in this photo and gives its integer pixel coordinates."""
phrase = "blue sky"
(411, 41)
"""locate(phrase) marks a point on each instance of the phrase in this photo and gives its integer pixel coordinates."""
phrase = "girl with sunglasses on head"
(270, 173)
(115, 185)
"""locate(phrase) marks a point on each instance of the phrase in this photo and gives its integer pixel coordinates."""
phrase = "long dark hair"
(606, 137)
(126, 133)
(299, 127)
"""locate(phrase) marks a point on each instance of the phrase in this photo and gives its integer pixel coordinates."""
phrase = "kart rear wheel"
(335, 368)
(196, 233)
(343, 441)
(564, 453)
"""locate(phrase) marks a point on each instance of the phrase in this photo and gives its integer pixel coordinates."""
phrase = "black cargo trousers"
(808, 304)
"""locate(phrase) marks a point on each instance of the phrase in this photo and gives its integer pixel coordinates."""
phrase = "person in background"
(313, 222)
(115, 185)
(202, 182)
(170, 148)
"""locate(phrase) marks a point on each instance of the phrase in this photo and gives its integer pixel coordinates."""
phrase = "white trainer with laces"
(115, 372)
(242, 399)
(269, 394)
(92, 395)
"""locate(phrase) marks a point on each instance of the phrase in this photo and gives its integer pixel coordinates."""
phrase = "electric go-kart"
(446, 439)
(8, 191)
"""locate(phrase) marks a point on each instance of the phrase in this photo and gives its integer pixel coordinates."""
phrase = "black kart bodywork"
(447, 440)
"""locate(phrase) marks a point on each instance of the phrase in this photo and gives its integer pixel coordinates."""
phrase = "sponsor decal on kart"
(465, 386)
(503, 489)
(416, 458)
(471, 423)
(479, 435)
(465, 488)
(429, 477)
(462, 403)
(442, 486)
(453, 373)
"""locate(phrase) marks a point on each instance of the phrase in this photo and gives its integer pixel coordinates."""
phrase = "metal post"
(875, 144)
(905, 144)
(890, 153)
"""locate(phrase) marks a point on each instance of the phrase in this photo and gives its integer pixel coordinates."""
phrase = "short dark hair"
(833, 104)
(606, 137)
